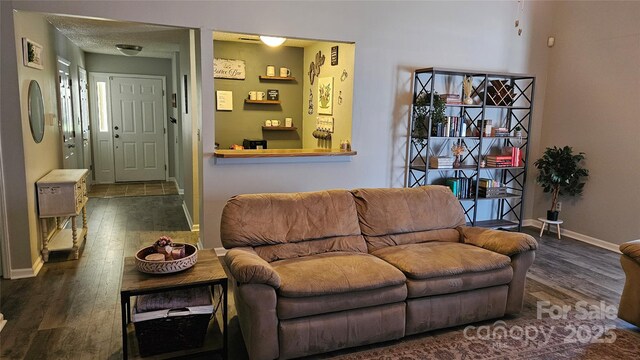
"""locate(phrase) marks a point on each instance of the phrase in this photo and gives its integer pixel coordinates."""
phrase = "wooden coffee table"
(206, 272)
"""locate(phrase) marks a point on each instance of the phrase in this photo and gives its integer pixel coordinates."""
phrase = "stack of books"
(441, 162)
(499, 161)
(500, 132)
(461, 187)
(489, 188)
(453, 99)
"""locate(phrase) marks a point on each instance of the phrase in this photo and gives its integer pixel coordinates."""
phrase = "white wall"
(592, 106)
(392, 39)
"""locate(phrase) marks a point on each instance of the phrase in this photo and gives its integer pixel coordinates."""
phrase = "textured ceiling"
(101, 36)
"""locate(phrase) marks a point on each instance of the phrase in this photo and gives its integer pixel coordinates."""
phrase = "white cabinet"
(63, 193)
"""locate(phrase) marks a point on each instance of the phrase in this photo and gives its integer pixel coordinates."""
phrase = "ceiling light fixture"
(272, 41)
(129, 50)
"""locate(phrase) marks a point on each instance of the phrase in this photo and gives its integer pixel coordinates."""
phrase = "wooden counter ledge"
(270, 153)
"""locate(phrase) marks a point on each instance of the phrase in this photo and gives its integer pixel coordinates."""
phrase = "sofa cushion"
(295, 307)
(385, 212)
(282, 219)
(438, 259)
(354, 243)
(334, 273)
(461, 282)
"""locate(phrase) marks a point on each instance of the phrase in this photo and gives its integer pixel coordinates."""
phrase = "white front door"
(84, 118)
(138, 124)
(69, 154)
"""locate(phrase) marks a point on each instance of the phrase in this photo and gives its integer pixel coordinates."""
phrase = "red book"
(515, 156)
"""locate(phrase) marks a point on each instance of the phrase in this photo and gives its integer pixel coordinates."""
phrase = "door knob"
(117, 136)
(70, 146)
(116, 128)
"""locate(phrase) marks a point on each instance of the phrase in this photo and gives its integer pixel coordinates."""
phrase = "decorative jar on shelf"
(457, 162)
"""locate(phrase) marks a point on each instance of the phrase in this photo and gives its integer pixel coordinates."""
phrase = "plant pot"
(552, 215)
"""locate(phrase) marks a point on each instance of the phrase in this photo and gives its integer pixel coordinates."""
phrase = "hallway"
(71, 310)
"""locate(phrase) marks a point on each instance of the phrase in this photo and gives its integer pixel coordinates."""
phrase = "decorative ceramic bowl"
(169, 266)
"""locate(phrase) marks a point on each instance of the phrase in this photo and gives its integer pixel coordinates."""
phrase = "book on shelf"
(461, 187)
(500, 132)
(499, 160)
(488, 188)
(441, 162)
(452, 99)
(452, 126)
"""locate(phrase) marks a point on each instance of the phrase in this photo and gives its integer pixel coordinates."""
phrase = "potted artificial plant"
(421, 113)
(560, 173)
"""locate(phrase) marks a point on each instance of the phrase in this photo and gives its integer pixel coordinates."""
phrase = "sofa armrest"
(631, 249)
(248, 268)
(503, 242)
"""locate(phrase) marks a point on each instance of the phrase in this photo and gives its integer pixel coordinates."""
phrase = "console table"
(63, 193)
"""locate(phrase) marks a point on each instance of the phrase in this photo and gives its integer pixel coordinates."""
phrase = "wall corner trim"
(27, 272)
(577, 236)
(188, 216)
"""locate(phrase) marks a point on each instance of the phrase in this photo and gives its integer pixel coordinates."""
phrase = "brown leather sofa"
(629, 309)
(321, 271)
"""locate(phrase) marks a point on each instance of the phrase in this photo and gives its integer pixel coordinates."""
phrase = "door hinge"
(165, 130)
(162, 92)
(70, 82)
(165, 167)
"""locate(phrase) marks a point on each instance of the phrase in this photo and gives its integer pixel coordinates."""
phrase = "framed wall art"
(229, 69)
(32, 54)
(325, 96)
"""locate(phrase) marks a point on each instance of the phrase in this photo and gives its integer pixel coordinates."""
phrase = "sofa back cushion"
(408, 215)
(283, 226)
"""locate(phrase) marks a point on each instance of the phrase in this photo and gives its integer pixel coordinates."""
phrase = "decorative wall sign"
(32, 54)
(224, 100)
(310, 111)
(325, 96)
(174, 100)
(334, 55)
(314, 67)
(273, 94)
(229, 69)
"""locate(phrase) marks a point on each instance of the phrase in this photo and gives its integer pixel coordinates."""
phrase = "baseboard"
(180, 191)
(220, 251)
(187, 215)
(577, 236)
(27, 272)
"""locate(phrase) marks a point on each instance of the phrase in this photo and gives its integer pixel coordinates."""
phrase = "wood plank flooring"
(71, 309)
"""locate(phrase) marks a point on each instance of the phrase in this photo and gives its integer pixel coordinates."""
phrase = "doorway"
(131, 139)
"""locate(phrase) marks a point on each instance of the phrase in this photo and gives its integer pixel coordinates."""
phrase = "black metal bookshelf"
(517, 110)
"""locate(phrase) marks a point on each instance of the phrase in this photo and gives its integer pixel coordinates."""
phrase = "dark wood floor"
(71, 309)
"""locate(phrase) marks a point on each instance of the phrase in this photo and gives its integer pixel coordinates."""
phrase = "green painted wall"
(246, 120)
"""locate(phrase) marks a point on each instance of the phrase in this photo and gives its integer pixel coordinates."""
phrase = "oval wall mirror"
(36, 111)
